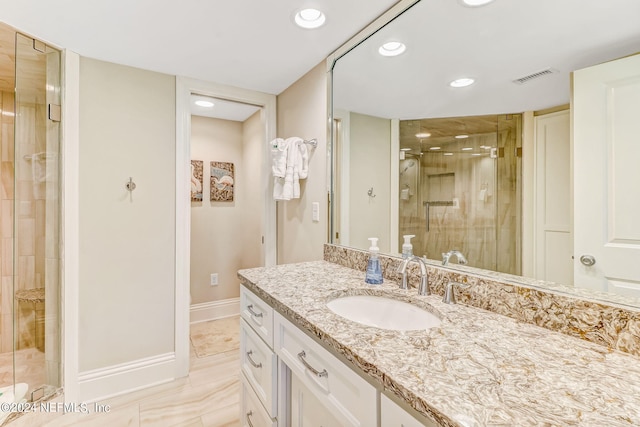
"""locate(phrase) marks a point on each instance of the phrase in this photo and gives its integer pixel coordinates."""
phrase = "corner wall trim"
(215, 310)
(110, 381)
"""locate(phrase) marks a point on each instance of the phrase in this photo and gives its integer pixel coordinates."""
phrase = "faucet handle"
(450, 292)
(445, 258)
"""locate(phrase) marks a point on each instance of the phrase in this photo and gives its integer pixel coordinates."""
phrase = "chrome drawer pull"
(253, 313)
(255, 365)
(314, 371)
(249, 418)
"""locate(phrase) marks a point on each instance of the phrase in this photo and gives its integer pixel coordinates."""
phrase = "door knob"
(587, 260)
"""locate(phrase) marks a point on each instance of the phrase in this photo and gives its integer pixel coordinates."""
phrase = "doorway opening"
(225, 217)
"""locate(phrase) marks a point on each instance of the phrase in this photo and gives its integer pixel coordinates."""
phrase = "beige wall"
(302, 111)
(127, 241)
(225, 236)
(370, 151)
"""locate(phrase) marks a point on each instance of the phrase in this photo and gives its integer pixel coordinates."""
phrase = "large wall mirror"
(486, 168)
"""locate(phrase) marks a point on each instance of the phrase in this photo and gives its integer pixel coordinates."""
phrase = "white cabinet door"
(392, 415)
(349, 398)
(605, 105)
(306, 408)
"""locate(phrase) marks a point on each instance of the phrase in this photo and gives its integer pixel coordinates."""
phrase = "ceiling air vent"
(527, 79)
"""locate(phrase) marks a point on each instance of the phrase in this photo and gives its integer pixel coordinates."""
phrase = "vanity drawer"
(344, 393)
(253, 413)
(259, 364)
(258, 314)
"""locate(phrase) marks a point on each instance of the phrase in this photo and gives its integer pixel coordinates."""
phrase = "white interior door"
(605, 105)
(552, 225)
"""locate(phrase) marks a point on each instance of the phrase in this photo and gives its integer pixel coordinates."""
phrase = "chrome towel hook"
(370, 192)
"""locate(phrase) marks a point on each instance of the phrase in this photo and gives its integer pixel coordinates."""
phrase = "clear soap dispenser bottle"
(407, 247)
(374, 271)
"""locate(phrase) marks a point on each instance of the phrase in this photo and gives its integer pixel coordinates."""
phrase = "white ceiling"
(252, 44)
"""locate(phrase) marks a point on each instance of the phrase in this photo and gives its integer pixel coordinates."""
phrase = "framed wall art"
(197, 167)
(222, 179)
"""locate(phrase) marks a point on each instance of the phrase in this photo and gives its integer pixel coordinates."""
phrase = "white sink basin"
(383, 313)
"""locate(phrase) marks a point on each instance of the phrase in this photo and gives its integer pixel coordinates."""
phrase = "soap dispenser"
(374, 271)
(407, 247)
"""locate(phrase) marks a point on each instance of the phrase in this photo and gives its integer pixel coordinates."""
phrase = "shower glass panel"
(36, 256)
(459, 188)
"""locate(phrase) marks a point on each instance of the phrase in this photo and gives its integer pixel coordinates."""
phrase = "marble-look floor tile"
(180, 407)
(208, 397)
(224, 417)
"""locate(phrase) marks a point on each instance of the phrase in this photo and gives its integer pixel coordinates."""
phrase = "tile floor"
(208, 397)
(28, 362)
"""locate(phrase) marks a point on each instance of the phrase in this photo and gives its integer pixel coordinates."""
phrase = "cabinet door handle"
(313, 370)
(249, 414)
(255, 365)
(253, 312)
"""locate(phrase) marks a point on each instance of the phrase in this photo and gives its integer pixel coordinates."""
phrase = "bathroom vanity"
(303, 364)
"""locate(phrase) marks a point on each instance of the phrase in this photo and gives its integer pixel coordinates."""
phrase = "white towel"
(303, 160)
(291, 175)
(279, 149)
(295, 154)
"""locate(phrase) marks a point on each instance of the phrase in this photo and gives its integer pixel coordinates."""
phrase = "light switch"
(315, 211)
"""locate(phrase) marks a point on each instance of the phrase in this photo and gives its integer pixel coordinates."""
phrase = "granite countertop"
(476, 369)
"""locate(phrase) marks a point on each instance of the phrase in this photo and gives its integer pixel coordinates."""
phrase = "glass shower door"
(36, 254)
(460, 188)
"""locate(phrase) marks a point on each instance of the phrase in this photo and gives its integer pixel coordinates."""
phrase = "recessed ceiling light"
(461, 136)
(392, 49)
(205, 104)
(467, 148)
(448, 154)
(463, 82)
(405, 149)
(475, 3)
(309, 18)
(423, 135)
(434, 148)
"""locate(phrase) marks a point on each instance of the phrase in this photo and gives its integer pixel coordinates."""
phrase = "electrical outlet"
(214, 279)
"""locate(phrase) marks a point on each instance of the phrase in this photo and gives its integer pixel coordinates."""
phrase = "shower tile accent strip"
(596, 317)
(477, 368)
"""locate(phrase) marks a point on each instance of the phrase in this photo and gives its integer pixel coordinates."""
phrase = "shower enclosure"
(460, 188)
(30, 98)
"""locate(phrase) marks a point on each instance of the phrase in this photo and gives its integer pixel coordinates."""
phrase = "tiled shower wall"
(18, 187)
(6, 221)
(480, 216)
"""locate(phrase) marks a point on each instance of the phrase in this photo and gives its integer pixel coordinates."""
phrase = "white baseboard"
(114, 380)
(206, 311)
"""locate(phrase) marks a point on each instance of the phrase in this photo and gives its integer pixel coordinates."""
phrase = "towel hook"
(370, 192)
(130, 186)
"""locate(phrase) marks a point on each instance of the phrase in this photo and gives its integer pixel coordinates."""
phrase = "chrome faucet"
(450, 292)
(424, 282)
(461, 259)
